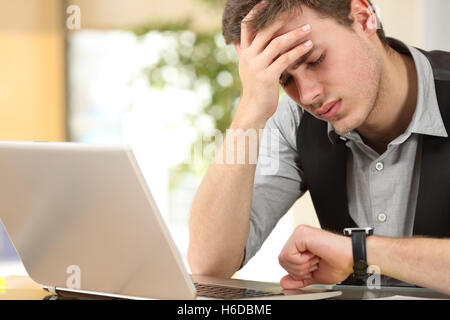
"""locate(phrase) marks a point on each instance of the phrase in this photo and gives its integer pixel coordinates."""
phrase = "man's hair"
(236, 10)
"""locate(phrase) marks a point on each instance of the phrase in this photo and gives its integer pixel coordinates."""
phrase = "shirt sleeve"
(279, 180)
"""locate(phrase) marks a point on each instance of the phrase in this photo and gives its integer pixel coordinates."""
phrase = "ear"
(364, 16)
(237, 47)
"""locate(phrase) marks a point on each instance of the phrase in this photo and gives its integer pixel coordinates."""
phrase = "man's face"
(342, 68)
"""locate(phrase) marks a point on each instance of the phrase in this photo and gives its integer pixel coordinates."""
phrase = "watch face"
(367, 230)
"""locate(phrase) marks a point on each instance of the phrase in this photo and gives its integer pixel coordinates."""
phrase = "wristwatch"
(359, 250)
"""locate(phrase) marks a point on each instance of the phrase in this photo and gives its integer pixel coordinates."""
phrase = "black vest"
(325, 164)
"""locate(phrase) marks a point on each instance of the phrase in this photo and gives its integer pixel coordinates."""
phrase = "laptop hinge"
(52, 290)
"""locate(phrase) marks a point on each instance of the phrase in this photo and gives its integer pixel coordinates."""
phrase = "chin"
(342, 131)
(344, 126)
(349, 122)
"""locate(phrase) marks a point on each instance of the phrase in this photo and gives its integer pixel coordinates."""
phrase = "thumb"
(289, 282)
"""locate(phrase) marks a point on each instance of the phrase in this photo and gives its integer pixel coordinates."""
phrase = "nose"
(310, 91)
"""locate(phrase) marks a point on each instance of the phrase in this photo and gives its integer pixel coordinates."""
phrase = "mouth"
(329, 110)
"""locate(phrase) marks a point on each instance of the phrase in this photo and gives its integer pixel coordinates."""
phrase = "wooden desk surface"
(22, 288)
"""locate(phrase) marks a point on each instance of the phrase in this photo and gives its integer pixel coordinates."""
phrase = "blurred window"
(156, 92)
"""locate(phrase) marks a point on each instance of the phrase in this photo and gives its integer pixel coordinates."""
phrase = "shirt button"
(379, 166)
(382, 217)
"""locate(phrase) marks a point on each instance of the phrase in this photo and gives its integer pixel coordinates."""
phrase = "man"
(363, 129)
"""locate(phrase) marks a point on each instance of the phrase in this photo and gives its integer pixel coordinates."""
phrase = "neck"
(396, 102)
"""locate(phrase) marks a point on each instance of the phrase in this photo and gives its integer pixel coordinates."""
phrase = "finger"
(292, 256)
(309, 280)
(295, 262)
(288, 282)
(285, 60)
(284, 43)
(297, 273)
(247, 34)
(303, 274)
(305, 257)
(301, 271)
(310, 266)
(265, 36)
(299, 262)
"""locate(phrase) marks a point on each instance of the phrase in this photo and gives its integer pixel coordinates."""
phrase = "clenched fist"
(313, 256)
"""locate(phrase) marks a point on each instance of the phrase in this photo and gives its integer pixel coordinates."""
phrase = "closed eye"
(287, 79)
(318, 61)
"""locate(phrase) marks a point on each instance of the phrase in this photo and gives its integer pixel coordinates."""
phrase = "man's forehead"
(291, 22)
(294, 20)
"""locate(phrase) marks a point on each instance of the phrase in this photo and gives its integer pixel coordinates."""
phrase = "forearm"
(220, 213)
(220, 216)
(420, 261)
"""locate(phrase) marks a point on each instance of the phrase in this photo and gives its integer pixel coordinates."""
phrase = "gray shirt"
(382, 189)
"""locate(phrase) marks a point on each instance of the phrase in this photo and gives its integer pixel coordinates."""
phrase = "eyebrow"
(299, 61)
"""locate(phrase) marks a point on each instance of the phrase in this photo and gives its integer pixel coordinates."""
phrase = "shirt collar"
(427, 119)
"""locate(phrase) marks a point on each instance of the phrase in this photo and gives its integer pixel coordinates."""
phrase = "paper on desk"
(404, 298)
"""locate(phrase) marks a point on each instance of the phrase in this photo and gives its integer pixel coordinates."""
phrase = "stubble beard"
(373, 96)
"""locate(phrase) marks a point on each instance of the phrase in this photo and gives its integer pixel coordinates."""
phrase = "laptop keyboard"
(221, 292)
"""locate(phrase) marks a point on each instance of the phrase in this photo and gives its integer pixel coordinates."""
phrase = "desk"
(23, 288)
(363, 293)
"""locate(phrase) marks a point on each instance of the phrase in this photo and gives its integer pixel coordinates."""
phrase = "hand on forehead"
(290, 21)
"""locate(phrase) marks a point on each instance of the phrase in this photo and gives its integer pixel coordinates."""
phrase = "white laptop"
(83, 221)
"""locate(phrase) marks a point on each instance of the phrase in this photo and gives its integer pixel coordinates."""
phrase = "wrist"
(349, 256)
(372, 243)
(250, 115)
(247, 123)
(359, 239)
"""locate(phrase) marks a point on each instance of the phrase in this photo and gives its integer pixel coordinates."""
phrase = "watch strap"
(359, 254)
